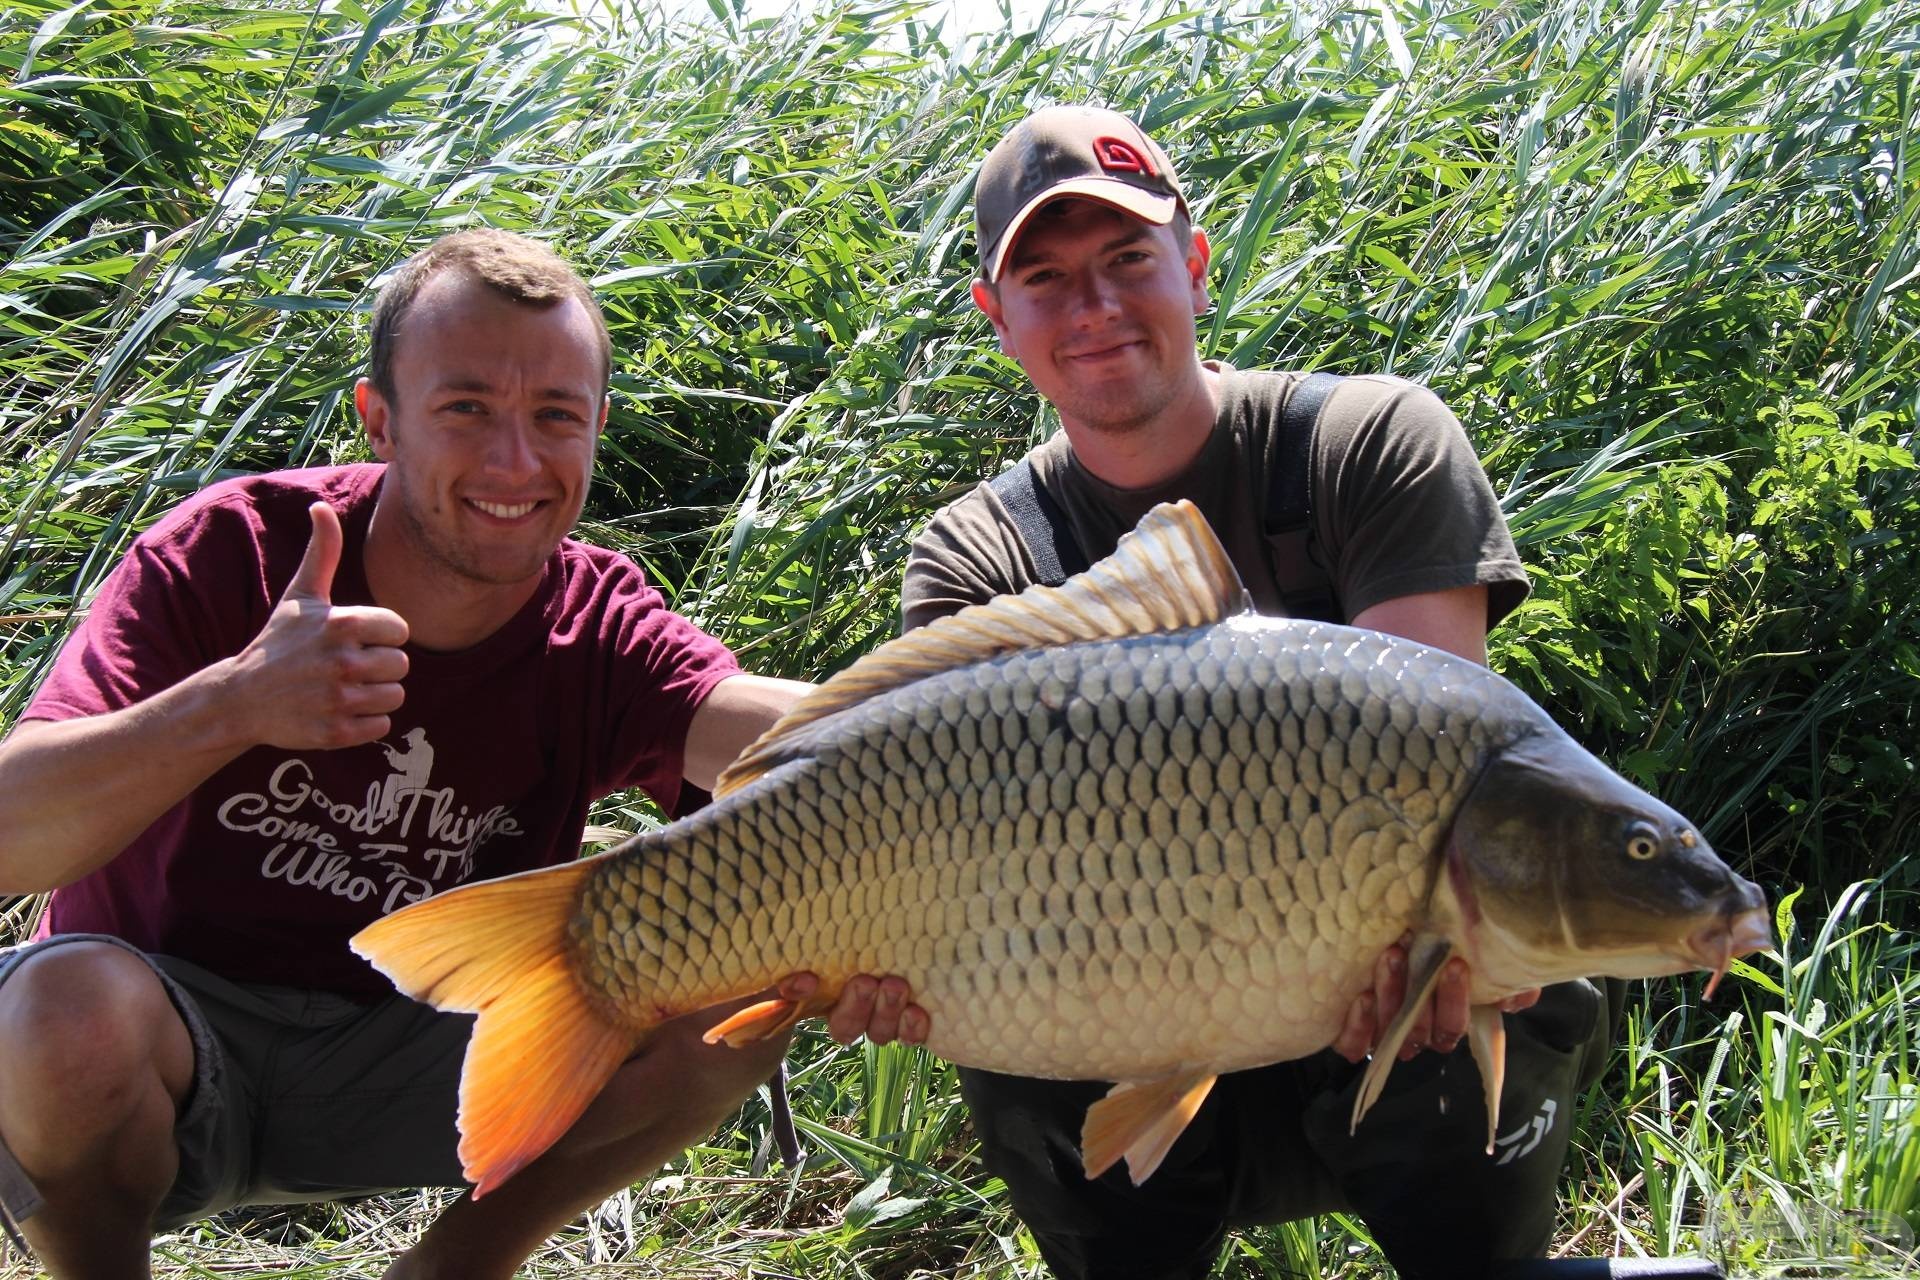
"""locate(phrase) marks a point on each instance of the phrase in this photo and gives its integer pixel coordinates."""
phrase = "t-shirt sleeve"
(965, 556)
(1407, 508)
(666, 667)
(149, 626)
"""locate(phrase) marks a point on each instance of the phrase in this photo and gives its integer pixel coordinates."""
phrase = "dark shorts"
(297, 1095)
(1271, 1145)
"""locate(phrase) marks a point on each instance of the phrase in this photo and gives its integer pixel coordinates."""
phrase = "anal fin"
(1141, 1121)
(765, 1020)
(1425, 959)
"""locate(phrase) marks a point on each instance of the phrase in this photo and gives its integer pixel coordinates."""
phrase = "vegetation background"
(1660, 256)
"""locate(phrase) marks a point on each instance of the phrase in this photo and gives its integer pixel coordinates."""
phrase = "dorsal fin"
(1170, 573)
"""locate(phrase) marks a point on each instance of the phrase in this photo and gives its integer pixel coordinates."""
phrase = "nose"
(511, 448)
(1095, 300)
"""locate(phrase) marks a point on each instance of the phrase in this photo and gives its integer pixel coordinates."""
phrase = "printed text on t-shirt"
(404, 840)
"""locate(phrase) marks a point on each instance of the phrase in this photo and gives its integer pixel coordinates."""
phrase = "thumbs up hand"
(321, 675)
(313, 580)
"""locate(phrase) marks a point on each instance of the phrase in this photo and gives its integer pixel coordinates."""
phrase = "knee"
(84, 1028)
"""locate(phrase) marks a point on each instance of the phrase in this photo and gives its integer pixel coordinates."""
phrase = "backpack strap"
(1043, 525)
(1305, 585)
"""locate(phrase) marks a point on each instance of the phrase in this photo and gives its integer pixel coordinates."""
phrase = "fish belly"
(1105, 860)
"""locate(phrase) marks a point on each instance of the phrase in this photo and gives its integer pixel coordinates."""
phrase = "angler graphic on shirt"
(401, 841)
(412, 768)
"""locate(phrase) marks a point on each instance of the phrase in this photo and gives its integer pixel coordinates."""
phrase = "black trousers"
(1271, 1145)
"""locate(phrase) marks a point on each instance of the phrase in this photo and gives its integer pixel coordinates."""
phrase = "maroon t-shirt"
(266, 870)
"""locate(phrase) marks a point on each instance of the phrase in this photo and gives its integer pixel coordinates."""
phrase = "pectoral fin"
(1141, 1120)
(1425, 959)
(1487, 1037)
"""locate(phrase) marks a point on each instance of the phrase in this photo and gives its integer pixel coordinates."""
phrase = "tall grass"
(1799, 1144)
(1661, 257)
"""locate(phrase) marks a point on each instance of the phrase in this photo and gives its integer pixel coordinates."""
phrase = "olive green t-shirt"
(1400, 505)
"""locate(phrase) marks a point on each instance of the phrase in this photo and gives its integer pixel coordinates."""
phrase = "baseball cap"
(1068, 151)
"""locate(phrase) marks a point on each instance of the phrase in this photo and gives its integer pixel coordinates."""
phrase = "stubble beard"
(1119, 412)
(457, 561)
(1124, 407)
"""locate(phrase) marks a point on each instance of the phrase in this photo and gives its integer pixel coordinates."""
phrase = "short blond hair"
(519, 269)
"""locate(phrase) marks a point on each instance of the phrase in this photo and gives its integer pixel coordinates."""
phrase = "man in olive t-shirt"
(1092, 275)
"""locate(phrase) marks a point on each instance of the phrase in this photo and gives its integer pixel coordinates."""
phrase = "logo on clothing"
(411, 770)
(1116, 155)
(1522, 1140)
(401, 842)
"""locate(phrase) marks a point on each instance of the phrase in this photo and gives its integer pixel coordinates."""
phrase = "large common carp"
(1121, 829)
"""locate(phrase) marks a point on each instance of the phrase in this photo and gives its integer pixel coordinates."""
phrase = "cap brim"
(1148, 206)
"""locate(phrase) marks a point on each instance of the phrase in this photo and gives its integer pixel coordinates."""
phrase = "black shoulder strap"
(1305, 586)
(1043, 525)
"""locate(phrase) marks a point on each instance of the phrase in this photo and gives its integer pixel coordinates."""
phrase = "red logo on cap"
(1118, 156)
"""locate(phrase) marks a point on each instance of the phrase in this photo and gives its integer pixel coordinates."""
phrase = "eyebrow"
(482, 385)
(1139, 232)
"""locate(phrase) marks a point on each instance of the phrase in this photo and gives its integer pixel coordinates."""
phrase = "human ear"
(1199, 254)
(988, 300)
(376, 416)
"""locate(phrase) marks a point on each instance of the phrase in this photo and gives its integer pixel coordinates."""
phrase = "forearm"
(74, 793)
(737, 711)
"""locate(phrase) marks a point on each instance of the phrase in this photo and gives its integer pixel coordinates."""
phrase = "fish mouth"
(1715, 945)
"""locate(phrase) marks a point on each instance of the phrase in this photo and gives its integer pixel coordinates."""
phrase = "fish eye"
(1643, 842)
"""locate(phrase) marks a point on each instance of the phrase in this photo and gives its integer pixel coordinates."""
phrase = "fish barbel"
(1121, 829)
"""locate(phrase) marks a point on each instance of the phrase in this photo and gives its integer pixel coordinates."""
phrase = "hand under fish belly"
(1118, 830)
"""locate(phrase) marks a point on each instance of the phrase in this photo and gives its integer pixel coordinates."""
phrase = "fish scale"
(1274, 893)
(1116, 830)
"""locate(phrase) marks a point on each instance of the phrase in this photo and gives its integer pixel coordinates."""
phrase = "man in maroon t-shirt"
(302, 701)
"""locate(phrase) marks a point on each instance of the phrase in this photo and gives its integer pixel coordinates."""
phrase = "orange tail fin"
(540, 1051)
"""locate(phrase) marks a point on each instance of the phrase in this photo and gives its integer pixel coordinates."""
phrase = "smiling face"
(1098, 307)
(488, 437)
